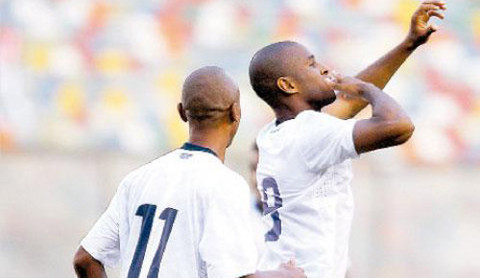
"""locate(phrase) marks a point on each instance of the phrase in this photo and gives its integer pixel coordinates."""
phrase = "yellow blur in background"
(88, 92)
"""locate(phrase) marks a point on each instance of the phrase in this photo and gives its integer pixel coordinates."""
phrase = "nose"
(324, 71)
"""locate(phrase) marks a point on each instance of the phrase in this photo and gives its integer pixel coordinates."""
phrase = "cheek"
(327, 84)
(318, 84)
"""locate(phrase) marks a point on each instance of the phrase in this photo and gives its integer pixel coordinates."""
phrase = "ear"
(181, 112)
(287, 85)
(235, 112)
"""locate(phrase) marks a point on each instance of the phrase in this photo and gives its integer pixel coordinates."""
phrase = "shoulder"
(226, 183)
(266, 129)
(311, 115)
(314, 122)
(137, 175)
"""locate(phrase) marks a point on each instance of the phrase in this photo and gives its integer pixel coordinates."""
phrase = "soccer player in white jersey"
(304, 170)
(185, 214)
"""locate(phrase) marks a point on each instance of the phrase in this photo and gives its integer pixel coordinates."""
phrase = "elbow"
(81, 262)
(404, 129)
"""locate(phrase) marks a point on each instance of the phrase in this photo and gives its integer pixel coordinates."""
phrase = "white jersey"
(304, 174)
(183, 215)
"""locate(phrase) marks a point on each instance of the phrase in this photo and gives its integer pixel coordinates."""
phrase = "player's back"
(170, 216)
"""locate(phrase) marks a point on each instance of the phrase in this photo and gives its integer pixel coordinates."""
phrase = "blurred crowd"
(81, 75)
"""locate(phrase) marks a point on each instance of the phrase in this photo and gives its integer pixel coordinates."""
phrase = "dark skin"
(211, 106)
(86, 266)
(380, 72)
(309, 85)
(388, 126)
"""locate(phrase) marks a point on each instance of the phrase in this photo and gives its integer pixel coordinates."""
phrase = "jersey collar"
(192, 147)
(279, 122)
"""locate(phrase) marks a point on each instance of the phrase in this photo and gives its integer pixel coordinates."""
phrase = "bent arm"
(378, 73)
(86, 266)
(388, 126)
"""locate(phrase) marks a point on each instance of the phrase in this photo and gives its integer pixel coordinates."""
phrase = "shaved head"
(268, 65)
(207, 95)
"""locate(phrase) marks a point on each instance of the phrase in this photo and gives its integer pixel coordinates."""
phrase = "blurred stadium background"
(89, 88)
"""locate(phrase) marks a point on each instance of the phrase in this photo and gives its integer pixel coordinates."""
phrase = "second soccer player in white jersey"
(184, 215)
(304, 169)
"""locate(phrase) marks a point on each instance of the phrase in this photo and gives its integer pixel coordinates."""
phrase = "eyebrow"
(311, 57)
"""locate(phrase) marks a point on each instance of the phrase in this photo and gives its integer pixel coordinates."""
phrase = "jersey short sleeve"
(103, 241)
(324, 140)
(227, 242)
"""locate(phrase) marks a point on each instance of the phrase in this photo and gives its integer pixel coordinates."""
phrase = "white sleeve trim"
(354, 153)
(90, 248)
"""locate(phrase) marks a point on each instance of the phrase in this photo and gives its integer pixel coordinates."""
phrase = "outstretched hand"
(420, 28)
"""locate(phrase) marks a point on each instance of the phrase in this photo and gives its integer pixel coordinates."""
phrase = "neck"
(216, 141)
(290, 110)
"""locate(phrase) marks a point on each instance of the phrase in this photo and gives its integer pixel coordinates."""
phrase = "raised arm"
(388, 126)
(380, 72)
(86, 266)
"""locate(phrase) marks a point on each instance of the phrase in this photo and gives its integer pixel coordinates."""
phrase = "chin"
(331, 97)
(328, 98)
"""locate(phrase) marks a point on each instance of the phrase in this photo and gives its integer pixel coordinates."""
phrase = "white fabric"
(309, 158)
(211, 234)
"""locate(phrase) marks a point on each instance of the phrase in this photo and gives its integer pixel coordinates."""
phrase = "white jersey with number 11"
(184, 215)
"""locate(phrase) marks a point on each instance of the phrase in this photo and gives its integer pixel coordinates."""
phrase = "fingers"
(335, 78)
(429, 7)
(435, 14)
(432, 8)
(289, 264)
(440, 4)
(331, 81)
(336, 75)
(432, 28)
(292, 269)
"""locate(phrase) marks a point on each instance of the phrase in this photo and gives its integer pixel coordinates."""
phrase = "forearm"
(378, 73)
(382, 70)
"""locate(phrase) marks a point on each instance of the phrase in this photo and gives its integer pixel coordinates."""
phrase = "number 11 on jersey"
(147, 212)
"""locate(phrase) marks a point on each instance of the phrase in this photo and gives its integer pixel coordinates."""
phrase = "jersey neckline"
(192, 147)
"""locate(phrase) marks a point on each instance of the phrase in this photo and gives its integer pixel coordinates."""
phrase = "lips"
(331, 79)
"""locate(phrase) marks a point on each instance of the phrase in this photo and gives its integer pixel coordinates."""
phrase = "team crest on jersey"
(185, 155)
